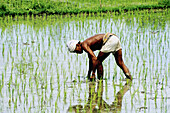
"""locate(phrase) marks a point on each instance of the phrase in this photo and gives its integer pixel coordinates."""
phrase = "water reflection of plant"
(95, 100)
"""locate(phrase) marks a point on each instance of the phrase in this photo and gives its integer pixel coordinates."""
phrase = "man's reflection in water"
(95, 102)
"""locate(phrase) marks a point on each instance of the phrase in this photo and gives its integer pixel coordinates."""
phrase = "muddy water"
(38, 74)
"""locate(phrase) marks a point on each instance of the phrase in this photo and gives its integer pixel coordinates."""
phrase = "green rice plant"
(156, 94)
(1, 88)
(65, 92)
(162, 84)
(51, 83)
(19, 94)
(58, 94)
(166, 79)
(146, 73)
(2, 80)
(15, 105)
(42, 101)
(12, 95)
(132, 96)
(27, 99)
(29, 110)
(151, 86)
(56, 107)
(145, 100)
(46, 86)
(30, 81)
(3, 49)
(106, 88)
(33, 100)
(52, 54)
(9, 84)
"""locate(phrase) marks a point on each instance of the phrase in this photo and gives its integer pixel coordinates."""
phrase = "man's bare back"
(95, 42)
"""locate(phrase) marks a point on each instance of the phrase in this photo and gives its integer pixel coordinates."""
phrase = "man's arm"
(91, 56)
(90, 67)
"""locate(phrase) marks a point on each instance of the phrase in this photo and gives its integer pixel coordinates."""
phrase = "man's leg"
(101, 57)
(120, 63)
(90, 67)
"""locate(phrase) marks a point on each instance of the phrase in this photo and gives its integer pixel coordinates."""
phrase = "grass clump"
(25, 7)
(164, 2)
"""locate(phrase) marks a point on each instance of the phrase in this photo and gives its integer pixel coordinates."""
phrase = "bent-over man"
(106, 43)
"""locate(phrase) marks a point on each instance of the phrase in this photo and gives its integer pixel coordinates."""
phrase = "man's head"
(75, 46)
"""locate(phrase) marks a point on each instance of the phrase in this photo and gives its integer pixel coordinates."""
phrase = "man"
(106, 43)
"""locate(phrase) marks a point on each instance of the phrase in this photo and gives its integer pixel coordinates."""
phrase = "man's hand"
(93, 77)
(95, 63)
(128, 76)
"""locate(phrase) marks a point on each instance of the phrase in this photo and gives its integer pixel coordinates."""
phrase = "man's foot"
(128, 76)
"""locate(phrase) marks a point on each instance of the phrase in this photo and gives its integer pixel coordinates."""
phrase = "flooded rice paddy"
(38, 74)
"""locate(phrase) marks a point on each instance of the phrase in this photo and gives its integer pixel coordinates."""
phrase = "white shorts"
(112, 45)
